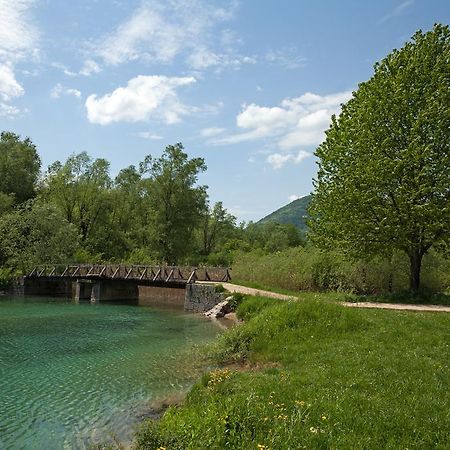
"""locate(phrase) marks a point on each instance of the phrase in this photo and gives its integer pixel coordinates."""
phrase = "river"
(76, 374)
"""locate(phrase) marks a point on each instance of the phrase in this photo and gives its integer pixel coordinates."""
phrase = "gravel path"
(405, 307)
(251, 291)
(398, 306)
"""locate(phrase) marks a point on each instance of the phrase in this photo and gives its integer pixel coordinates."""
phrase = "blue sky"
(248, 85)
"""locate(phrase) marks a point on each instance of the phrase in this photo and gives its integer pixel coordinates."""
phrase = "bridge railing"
(133, 272)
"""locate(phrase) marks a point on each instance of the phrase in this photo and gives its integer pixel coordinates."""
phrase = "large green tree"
(36, 233)
(80, 189)
(176, 202)
(384, 169)
(19, 169)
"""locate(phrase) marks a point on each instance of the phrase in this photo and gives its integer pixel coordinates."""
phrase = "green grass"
(317, 375)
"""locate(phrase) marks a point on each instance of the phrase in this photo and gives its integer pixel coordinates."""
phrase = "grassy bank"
(317, 375)
(309, 269)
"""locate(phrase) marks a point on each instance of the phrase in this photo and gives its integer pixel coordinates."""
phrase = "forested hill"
(294, 212)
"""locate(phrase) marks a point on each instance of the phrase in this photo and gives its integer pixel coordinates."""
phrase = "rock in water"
(219, 310)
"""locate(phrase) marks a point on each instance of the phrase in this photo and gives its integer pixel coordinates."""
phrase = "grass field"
(313, 375)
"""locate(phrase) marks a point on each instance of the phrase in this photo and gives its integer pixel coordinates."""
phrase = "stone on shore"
(219, 310)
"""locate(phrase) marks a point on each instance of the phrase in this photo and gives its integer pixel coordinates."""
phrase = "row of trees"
(153, 213)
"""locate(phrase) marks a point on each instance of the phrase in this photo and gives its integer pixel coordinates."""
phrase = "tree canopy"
(177, 202)
(384, 169)
(19, 169)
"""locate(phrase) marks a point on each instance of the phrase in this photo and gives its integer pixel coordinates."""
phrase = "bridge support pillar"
(106, 290)
(83, 290)
(96, 292)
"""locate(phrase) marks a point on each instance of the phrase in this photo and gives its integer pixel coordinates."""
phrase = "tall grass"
(307, 268)
(329, 377)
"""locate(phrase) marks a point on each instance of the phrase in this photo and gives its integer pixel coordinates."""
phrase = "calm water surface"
(71, 375)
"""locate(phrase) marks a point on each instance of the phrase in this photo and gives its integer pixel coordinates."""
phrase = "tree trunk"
(415, 260)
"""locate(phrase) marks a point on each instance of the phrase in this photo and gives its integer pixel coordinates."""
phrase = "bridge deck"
(165, 274)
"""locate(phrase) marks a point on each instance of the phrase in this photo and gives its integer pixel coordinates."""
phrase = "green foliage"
(79, 188)
(19, 169)
(218, 226)
(7, 276)
(294, 213)
(329, 377)
(36, 234)
(176, 203)
(236, 300)
(310, 269)
(384, 168)
(271, 237)
(252, 306)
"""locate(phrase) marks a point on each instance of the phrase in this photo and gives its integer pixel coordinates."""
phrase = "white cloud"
(159, 31)
(148, 135)
(296, 122)
(287, 58)
(143, 97)
(293, 197)
(202, 58)
(213, 131)
(278, 160)
(9, 111)
(9, 87)
(18, 35)
(90, 67)
(63, 68)
(59, 90)
(397, 11)
(18, 40)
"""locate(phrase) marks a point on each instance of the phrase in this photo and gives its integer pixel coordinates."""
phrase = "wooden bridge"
(165, 274)
(118, 282)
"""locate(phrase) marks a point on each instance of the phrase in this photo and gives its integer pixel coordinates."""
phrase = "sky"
(249, 85)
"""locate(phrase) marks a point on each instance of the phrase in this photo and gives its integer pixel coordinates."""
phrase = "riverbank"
(322, 376)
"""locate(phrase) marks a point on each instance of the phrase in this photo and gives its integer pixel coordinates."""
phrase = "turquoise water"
(75, 374)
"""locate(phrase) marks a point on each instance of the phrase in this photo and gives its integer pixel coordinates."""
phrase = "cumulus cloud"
(143, 97)
(293, 197)
(279, 160)
(295, 122)
(59, 90)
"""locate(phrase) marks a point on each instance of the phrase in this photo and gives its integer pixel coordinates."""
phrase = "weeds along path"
(398, 306)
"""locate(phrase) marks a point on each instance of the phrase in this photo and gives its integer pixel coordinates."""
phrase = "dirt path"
(398, 306)
(251, 291)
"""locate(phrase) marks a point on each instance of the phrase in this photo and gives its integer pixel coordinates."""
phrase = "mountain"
(293, 212)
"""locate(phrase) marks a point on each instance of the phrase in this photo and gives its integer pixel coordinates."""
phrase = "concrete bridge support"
(106, 290)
